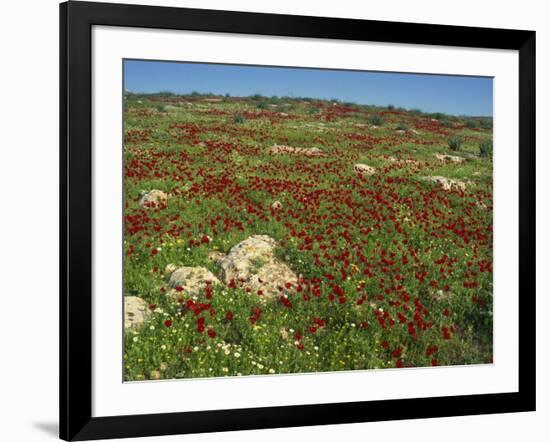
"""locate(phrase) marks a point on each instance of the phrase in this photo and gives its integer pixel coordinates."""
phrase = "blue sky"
(456, 95)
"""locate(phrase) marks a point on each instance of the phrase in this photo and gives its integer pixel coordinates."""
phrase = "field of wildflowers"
(379, 222)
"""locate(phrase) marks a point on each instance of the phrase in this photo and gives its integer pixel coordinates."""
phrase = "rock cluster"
(278, 149)
(447, 183)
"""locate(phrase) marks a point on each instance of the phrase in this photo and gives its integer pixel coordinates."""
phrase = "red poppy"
(168, 323)
(200, 325)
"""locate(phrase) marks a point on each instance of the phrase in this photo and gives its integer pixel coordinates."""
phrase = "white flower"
(135, 338)
(237, 354)
(163, 347)
(152, 327)
(271, 371)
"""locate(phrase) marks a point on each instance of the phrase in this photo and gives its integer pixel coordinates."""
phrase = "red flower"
(397, 352)
(211, 332)
(385, 345)
(200, 325)
(320, 322)
(399, 363)
(312, 329)
(286, 302)
(152, 306)
(168, 323)
(229, 315)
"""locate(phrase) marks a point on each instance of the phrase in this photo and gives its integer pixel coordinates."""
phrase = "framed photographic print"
(272, 220)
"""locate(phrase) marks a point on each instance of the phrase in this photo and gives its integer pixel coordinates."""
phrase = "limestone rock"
(192, 280)
(135, 311)
(444, 158)
(246, 257)
(447, 183)
(169, 269)
(363, 169)
(278, 149)
(153, 198)
(253, 265)
(277, 205)
(272, 279)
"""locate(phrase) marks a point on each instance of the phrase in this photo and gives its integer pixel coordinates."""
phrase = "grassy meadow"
(393, 266)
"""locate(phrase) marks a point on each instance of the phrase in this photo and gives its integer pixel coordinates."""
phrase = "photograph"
(283, 220)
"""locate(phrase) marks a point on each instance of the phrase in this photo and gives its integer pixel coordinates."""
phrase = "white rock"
(192, 280)
(253, 252)
(363, 169)
(278, 149)
(169, 269)
(277, 205)
(252, 263)
(153, 198)
(444, 158)
(272, 279)
(135, 311)
(447, 183)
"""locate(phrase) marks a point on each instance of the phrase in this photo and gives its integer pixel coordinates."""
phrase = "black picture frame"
(76, 21)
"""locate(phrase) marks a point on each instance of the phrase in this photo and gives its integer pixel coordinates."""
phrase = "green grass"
(389, 241)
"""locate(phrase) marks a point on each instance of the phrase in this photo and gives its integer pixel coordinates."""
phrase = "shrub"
(486, 123)
(472, 124)
(391, 107)
(486, 149)
(455, 143)
(415, 112)
(262, 105)
(161, 108)
(239, 119)
(402, 126)
(376, 120)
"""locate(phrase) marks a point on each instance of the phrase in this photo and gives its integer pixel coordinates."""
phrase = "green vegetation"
(394, 270)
